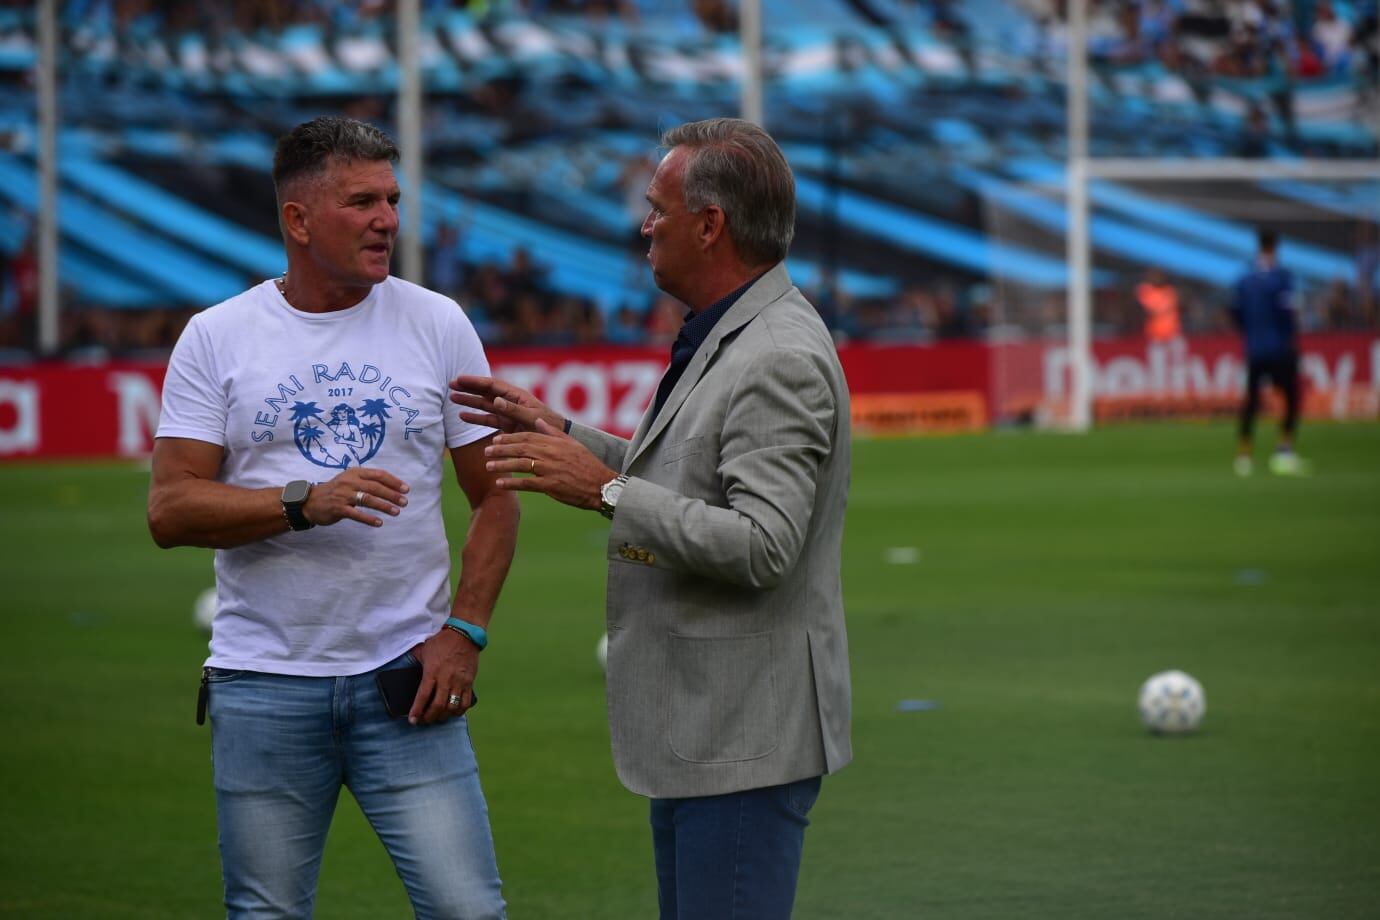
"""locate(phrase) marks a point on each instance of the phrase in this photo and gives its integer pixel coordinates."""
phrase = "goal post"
(1082, 169)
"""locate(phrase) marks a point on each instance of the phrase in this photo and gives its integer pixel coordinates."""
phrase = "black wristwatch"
(294, 497)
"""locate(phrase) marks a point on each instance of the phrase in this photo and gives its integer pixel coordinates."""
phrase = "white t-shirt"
(293, 395)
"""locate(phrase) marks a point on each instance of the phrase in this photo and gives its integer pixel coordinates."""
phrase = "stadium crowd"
(514, 304)
(217, 20)
(1262, 50)
(1225, 38)
(1301, 40)
(1268, 45)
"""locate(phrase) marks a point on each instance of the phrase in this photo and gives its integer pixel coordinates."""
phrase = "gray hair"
(736, 165)
(307, 151)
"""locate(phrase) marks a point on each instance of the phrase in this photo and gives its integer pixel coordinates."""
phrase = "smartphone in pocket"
(398, 687)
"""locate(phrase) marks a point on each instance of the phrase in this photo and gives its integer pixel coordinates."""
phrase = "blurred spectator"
(1366, 39)
(1332, 34)
(1368, 273)
(948, 26)
(528, 323)
(664, 320)
(1160, 301)
(486, 289)
(446, 263)
(633, 179)
(1305, 63)
(1129, 46)
(824, 295)
(951, 316)
(524, 274)
(597, 9)
(1255, 134)
(574, 320)
(625, 328)
(1156, 27)
(19, 297)
(716, 15)
(1335, 309)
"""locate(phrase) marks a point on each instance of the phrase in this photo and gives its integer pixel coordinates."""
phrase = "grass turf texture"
(1053, 575)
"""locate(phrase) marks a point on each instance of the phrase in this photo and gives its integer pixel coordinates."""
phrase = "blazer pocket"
(723, 698)
(681, 449)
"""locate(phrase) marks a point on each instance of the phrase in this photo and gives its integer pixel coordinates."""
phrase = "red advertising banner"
(63, 410)
(111, 410)
(1201, 376)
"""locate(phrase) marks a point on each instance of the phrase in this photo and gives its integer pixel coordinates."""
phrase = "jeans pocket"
(223, 675)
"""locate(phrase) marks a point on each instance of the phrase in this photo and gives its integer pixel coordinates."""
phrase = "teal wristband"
(475, 634)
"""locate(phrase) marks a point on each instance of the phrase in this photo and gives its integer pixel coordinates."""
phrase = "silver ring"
(454, 701)
(359, 498)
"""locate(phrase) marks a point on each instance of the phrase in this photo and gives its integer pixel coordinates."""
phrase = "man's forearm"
(200, 512)
(488, 552)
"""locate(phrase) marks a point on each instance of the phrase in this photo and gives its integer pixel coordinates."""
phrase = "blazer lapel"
(769, 287)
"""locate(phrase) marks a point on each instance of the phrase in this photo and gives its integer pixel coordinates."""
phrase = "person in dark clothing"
(1264, 312)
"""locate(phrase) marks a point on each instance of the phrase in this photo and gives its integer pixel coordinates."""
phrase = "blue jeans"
(281, 748)
(734, 856)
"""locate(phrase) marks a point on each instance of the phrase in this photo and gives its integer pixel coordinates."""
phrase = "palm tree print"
(309, 436)
(341, 442)
(374, 408)
(305, 432)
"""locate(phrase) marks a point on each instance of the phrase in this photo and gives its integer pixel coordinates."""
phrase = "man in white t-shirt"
(303, 428)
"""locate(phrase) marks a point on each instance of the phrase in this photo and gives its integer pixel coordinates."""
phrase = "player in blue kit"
(1264, 311)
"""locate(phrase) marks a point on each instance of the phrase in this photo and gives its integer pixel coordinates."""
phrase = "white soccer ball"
(1172, 703)
(601, 652)
(204, 609)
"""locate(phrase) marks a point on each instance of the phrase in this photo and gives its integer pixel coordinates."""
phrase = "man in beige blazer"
(728, 683)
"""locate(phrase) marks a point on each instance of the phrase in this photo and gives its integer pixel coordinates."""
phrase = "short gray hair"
(308, 150)
(736, 165)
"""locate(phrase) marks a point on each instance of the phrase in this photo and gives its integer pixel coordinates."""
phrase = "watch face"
(611, 492)
(295, 492)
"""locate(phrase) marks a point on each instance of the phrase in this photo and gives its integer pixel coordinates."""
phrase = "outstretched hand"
(499, 404)
(557, 465)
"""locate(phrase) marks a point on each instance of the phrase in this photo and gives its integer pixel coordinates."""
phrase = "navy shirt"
(1264, 313)
(692, 335)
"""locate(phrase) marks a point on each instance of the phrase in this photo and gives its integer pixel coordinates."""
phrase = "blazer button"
(651, 558)
(642, 555)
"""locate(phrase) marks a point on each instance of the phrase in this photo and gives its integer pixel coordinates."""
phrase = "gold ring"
(359, 498)
(533, 471)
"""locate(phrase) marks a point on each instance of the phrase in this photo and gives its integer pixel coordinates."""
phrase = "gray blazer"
(727, 657)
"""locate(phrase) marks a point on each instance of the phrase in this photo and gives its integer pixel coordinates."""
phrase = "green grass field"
(1052, 574)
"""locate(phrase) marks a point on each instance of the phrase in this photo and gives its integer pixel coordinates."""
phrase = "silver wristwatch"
(609, 493)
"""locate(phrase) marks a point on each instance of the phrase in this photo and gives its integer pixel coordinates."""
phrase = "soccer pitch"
(1025, 584)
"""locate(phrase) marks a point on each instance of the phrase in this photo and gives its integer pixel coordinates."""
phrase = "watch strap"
(475, 634)
(296, 517)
